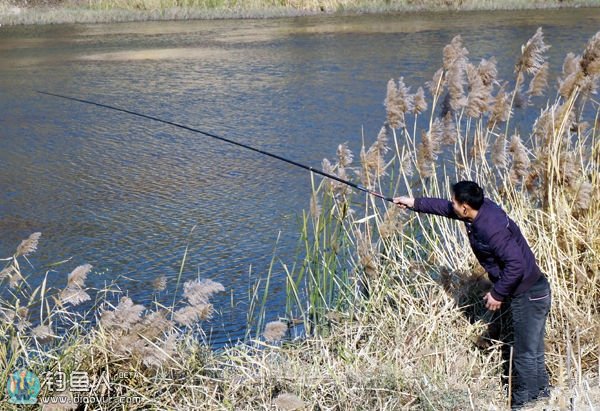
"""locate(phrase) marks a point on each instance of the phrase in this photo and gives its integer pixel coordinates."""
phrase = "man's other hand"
(491, 303)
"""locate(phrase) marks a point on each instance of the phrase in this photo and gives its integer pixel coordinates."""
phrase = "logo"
(23, 387)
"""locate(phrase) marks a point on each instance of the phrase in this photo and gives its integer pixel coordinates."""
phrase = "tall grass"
(390, 301)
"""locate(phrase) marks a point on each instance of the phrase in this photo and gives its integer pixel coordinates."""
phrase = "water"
(128, 195)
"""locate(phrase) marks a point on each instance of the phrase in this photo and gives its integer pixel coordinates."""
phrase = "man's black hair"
(468, 192)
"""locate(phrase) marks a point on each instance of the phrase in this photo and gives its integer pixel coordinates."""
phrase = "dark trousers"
(522, 323)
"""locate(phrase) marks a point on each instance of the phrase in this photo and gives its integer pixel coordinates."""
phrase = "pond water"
(127, 195)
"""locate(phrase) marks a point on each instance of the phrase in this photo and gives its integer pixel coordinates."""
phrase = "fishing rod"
(195, 130)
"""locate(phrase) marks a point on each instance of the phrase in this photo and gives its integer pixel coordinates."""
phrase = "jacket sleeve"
(435, 206)
(512, 263)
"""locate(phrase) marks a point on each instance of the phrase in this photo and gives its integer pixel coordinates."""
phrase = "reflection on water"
(123, 193)
(158, 54)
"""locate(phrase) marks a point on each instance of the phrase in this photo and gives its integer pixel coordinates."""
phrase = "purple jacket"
(497, 243)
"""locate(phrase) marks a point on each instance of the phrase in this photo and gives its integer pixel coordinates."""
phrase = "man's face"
(459, 208)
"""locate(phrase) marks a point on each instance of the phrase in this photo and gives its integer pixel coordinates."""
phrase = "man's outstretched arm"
(437, 206)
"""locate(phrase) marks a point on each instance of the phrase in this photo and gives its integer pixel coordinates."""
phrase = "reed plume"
(571, 74)
(124, 316)
(160, 283)
(455, 64)
(331, 185)
(570, 172)
(441, 133)
(22, 315)
(582, 71)
(43, 334)
(570, 64)
(6, 272)
(142, 339)
(543, 127)
(340, 188)
(404, 99)
(14, 275)
(520, 160)
(22, 312)
(153, 325)
(7, 315)
(419, 102)
(395, 116)
(449, 132)
(425, 156)
(564, 119)
(372, 161)
(157, 354)
(589, 85)
(590, 61)
(191, 314)
(28, 246)
(78, 276)
(488, 71)
(398, 102)
(200, 291)
(532, 54)
(327, 167)
(479, 95)
(289, 402)
(366, 255)
(501, 108)
(344, 155)
(74, 296)
(499, 155)
(456, 84)
(74, 293)
(436, 85)
(454, 52)
(539, 82)
(406, 165)
(197, 293)
(275, 331)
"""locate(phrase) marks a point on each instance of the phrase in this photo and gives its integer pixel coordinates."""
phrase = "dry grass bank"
(104, 11)
(419, 339)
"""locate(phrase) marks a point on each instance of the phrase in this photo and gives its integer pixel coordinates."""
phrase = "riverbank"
(113, 11)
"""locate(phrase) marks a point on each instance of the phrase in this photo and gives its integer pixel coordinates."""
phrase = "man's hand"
(491, 303)
(404, 202)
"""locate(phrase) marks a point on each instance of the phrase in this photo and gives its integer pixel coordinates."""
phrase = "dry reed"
(275, 331)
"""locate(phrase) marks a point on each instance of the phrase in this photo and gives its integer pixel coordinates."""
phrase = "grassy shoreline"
(113, 11)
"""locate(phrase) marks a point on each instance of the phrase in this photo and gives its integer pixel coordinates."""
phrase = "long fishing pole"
(195, 130)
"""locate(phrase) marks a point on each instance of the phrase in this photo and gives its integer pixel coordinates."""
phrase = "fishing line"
(226, 140)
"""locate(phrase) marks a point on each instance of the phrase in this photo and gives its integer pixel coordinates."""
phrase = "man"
(518, 283)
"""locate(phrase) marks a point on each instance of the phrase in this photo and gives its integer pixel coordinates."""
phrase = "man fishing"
(519, 286)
